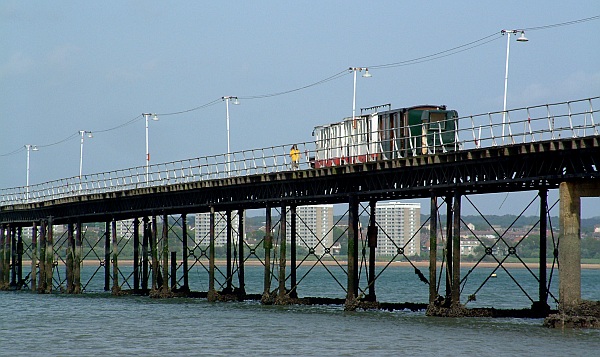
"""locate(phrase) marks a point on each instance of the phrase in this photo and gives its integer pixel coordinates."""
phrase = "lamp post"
(365, 75)
(83, 134)
(521, 38)
(236, 102)
(155, 118)
(29, 148)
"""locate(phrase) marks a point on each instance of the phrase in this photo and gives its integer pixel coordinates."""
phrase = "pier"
(549, 147)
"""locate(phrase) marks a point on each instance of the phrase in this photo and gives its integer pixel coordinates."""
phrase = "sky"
(67, 66)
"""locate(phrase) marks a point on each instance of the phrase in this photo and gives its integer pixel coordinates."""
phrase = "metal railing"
(547, 122)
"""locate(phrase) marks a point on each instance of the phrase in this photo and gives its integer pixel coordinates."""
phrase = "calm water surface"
(98, 324)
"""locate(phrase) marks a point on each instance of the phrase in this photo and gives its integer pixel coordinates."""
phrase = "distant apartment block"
(313, 228)
(398, 225)
(202, 228)
(125, 229)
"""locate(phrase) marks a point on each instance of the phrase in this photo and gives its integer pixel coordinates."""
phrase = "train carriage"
(386, 135)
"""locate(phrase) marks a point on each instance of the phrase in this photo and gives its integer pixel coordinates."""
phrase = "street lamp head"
(89, 134)
(155, 117)
(367, 74)
(34, 148)
(236, 100)
(522, 38)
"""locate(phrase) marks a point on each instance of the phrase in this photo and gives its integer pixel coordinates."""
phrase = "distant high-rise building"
(202, 228)
(125, 228)
(398, 225)
(313, 228)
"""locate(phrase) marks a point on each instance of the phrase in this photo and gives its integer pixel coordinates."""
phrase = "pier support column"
(212, 294)
(70, 257)
(145, 239)
(173, 270)
(116, 289)
(542, 304)
(184, 261)
(352, 290)
(456, 251)
(49, 257)
(228, 285)
(372, 241)
(42, 259)
(20, 280)
(241, 278)
(136, 255)
(164, 287)
(569, 253)
(433, 220)
(34, 257)
(154, 251)
(13, 257)
(449, 221)
(293, 244)
(282, 254)
(107, 256)
(268, 244)
(77, 259)
(2, 257)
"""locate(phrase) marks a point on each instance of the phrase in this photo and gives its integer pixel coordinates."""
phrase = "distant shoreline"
(419, 264)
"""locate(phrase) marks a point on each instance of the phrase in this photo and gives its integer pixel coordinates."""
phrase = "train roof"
(403, 110)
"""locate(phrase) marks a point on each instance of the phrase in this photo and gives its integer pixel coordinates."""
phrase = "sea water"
(96, 323)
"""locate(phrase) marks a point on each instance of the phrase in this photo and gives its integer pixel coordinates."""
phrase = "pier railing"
(547, 122)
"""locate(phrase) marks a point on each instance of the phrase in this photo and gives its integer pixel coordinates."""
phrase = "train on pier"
(385, 135)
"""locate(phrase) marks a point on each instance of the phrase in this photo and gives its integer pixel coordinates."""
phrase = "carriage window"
(439, 119)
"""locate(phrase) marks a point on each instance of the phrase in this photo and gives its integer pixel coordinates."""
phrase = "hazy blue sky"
(80, 65)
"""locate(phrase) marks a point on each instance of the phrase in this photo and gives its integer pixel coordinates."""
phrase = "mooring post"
(165, 253)
(34, 257)
(42, 260)
(569, 253)
(115, 255)
(107, 256)
(352, 292)
(77, 260)
(212, 296)
(372, 240)
(456, 250)
(154, 250)
(293, 244)
(228, 286)
(184, 261)
(136, 255)
(282, 252)
(49, 256)
(70, 257)
(449, 235)
(241, 279)
(145, 239)
(268, 243)
(433, 250)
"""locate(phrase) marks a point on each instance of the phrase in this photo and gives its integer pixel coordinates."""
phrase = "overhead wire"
(441, 54)
(328, 79)
(561, 24)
